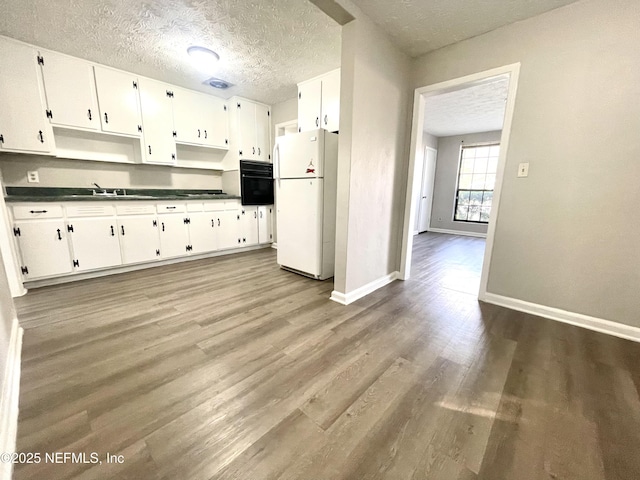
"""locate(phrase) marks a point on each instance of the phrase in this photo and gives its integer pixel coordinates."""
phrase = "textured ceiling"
(419, 26)
(265, 46)
(472, 110)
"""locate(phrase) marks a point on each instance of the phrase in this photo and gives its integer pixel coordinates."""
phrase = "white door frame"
(417, 149)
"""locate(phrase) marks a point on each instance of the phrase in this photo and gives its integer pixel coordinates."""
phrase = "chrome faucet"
(104, 191)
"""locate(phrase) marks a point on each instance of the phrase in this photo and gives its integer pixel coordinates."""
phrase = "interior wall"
(429, 140)
(566, 236)
(283, 112)
(54, 172)
(444, 191)
(372, 165)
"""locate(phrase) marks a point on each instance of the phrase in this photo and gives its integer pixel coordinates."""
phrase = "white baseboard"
(9, 398)
(585, 321)
(358, 293)
(457, 232)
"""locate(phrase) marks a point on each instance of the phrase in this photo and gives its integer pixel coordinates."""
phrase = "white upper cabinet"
(330, 115)
(200, 119)
(319, 103)
(118, 101)
(263, 132)
(253, 130)
(157, 122)
(309, 105)
(70, 91)
(23, 125)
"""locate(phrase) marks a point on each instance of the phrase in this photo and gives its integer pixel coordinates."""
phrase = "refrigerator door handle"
(276, 161)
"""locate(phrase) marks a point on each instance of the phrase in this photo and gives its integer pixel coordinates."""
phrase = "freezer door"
(299, 223)
(300, 155)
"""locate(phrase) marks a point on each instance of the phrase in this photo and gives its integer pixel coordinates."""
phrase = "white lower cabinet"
(249, 225)
(44, 248)
(203, 232)
(265, 224)
(94, 243)
(139, 240)
(229, 229)
(60, 239)
(174, 235)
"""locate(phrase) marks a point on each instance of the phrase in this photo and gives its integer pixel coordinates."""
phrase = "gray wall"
(447, 177)
(54, 172)
(372, 165)
(566, 236)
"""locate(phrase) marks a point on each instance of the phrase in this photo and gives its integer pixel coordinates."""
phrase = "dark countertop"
(47, 194)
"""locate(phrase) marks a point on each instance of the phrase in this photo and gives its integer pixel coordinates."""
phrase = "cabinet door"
(216, 122)
(331, 101)
(118, 101)
(229, 231)
(44, 248)
(70, 90)
(186, 116)
(309, 95)
(263, 133)
(247, 130)
(174, 235)
(157, 123)
(94, 242)
(138, 238)
(265, 224)
(203, 231)
(23, 125)
(249, 225)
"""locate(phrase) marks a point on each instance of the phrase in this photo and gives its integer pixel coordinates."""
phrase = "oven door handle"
(256, 176)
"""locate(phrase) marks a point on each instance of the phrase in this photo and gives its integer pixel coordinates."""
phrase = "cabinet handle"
(106, 118)
(149, 149)
(259, 151)
(171, 208)
(218, 222)
(122, 228)
(89, 114)
(198, 133)
(37, 211)
(255, 214)
(212, 223)
(317, 121)
(59, 236)
(205, 134)
(260, 213)
(163, 226)
(41, 137)
(113, 234)
(254, 150)
(325, 120)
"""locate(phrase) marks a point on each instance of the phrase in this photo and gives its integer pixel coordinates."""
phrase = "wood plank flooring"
(230, 368)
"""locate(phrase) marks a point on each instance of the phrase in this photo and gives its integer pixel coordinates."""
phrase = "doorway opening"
(459, 143)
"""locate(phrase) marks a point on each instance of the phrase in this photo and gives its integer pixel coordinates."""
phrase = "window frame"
(457, 187)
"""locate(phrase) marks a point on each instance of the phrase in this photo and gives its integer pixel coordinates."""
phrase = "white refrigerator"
(305, 171)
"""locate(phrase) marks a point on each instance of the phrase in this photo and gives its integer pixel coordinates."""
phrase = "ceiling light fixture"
(202, 56)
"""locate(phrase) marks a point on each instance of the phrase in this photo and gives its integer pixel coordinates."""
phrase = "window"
(476, 180)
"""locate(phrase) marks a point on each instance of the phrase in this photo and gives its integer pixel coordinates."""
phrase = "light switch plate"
(523, 170)
(33, 177)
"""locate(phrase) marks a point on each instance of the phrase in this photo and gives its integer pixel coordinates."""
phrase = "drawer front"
(36, 210)
(216, 206)
(171, 208)
(232, 205)
(90, 210)
(136, 208)
(194, 207)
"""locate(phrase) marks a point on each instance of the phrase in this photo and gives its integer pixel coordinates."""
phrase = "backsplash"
(56, 172)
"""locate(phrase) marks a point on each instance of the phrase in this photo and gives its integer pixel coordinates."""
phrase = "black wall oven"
(256, 183)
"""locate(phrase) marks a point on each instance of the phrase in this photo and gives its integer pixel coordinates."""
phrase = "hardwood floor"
(229, 368)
